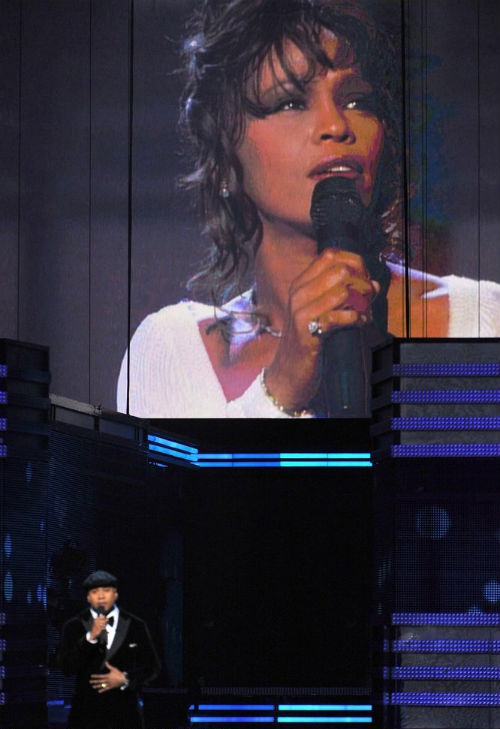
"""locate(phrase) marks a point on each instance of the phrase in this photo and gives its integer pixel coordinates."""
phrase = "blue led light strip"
(3, 397)
(233, 707)
(446, 450)
(3, 423)
(231, 719)
(3, 451)
(180, 447)
(451, 396)
(186, 453)
(172, 452)
(3, 370)
(443, 423)
(243, 718)
(446, 369)
(428, 698)
(473, 618)
(445, 673)
(283, 460)
(446, 646)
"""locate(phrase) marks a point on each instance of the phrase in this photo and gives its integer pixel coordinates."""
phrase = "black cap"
(100, 579)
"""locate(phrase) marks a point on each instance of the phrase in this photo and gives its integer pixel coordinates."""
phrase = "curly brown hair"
(228, 43)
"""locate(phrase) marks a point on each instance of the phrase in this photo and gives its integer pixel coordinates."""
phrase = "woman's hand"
(334, 291)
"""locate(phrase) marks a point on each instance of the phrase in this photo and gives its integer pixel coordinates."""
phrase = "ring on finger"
(314, 328)
(103, 685)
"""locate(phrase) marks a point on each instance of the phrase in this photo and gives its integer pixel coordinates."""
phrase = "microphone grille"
(336, 207)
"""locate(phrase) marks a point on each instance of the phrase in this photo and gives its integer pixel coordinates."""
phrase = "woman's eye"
(290, 105)
(364, 103)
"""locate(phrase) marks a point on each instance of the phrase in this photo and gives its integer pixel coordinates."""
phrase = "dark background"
(95, 233)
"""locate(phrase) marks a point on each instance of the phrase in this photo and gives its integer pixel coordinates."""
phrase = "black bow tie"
(111, 620)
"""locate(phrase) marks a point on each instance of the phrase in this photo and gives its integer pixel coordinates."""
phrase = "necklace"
(240, 317)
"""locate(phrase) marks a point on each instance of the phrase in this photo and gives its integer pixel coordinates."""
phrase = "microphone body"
(102, 638)
(340, 220)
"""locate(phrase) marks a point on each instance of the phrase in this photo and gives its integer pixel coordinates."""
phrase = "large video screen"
(215, 210)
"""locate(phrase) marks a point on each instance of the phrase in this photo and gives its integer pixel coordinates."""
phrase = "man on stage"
(111, 653)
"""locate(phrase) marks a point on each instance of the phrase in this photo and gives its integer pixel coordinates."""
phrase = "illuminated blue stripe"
(231, 719)
(444, 423)
(452, 396)
(324, 720)
(474, 618)
(329, 456)
(234, 707)
(325, 707)
(428, 698)
(446, 673)
(3, 370)
(446, 646)
(327, 464)
(170, 452)
(172, 444)
(283, 464)
(446, 450)
(446, 369)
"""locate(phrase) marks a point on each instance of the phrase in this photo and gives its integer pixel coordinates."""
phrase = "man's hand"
(98, 626)
(103, 682)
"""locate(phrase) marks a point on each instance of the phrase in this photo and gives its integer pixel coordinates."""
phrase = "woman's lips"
(336, 166)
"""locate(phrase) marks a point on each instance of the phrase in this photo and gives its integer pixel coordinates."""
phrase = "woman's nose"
(332, 123)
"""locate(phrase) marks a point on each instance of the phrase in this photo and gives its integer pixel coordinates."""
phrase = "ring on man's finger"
(103, 685)
(314, 328)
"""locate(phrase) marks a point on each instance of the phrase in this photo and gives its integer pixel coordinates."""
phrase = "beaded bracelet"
(291, 413)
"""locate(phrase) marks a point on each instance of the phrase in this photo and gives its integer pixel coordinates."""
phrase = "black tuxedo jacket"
(132, 651)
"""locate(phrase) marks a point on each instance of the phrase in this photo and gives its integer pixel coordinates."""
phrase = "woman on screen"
(281, 95)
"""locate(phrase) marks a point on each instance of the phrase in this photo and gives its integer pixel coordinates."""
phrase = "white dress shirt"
(110, 629)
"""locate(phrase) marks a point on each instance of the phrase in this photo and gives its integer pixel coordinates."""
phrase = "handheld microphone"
(102, 638)
(340, 220)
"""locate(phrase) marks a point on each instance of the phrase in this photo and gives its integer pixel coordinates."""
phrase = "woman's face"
(330, 129)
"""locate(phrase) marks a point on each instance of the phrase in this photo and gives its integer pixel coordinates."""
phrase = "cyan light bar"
(324, 720)
(171, 452)
(327, 456)
(325, 707)
(183, 452)
(283, 460)
(172, 444)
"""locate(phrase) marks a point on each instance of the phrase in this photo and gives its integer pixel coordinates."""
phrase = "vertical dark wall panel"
(10, 44)
(489, 140)
(165, 228)
(109, 155)
(54, 237)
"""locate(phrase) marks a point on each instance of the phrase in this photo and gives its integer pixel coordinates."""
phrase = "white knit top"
(171, 375)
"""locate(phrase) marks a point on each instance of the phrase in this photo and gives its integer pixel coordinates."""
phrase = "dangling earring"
(224, 189)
